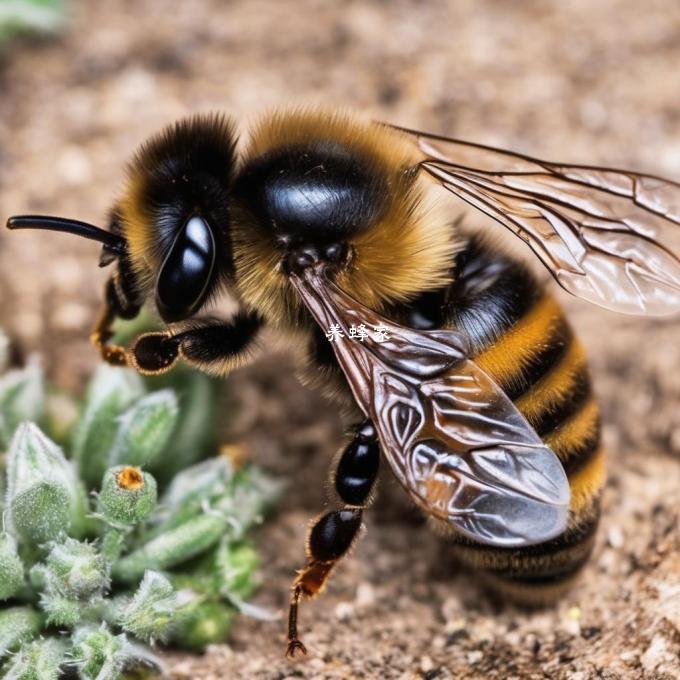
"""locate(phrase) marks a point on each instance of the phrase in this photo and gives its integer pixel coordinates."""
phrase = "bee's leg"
(213, 346)
(332, 534)
(116, 305)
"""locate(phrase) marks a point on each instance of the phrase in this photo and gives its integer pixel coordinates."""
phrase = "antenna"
(112, 242)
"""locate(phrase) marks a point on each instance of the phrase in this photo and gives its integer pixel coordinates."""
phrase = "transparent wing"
(452, 437)
(609, 236)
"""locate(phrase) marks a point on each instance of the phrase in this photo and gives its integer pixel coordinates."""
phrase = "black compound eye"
(186, 272)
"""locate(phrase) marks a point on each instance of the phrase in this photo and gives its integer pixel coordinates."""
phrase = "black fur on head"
(185, 172)
(188, 169)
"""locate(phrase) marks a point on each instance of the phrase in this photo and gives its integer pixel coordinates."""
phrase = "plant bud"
(78, 568)
(11, 568)
(150, 613)
(39, 660)
(98, 654)
(202, 624)
(144, 429)
(44, 497)
(73, 577)
(60, 610)
(17, 624)
(110, 392)
(128, 496)
(22, 398)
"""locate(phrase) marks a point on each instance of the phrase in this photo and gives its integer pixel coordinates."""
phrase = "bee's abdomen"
(522, 339)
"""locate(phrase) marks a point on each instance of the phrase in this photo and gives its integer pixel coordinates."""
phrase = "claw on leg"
(309, 582)
(115, 355)
(294, 643)
(295, 646)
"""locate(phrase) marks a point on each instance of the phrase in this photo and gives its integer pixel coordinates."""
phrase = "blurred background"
(83, 83)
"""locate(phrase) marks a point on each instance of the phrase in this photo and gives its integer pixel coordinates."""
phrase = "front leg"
(116, 305)
(213, 346)
(332, 535)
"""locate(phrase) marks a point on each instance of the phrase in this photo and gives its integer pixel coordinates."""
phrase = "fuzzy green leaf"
(172, 548)
(22, 398)
(195, 434)
(111, 391)
(17, 624)
(11, 567)
(44, 497)
(249, 496)
(202, 624)
(39, 660)
(150, 613)
(236, 566)
(98, 654)
(192, 489)
(144, 429)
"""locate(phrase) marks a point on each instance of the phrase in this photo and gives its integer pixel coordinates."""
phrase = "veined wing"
(452, 437)
(609, 236)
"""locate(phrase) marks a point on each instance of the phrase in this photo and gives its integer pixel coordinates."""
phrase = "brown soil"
(579, 81)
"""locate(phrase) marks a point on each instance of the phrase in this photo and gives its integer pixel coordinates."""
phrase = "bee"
(459, 366)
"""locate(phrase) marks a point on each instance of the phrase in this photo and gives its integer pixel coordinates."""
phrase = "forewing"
(609, 236)
(452, 437)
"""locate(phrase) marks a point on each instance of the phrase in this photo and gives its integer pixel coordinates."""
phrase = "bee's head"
(169, 231)
(174, 215)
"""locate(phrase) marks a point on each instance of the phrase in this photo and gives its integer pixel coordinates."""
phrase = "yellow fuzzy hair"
(139, 233)
(407, 251)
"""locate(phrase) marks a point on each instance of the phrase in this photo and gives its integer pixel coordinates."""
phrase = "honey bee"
(459, 365)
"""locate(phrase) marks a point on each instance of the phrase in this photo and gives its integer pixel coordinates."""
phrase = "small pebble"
(426, 664)
(455, 625)
(574, 613)
(474, 657)
(439, 642)
(365, 596)
(657, 654)
(629, 658)
(572, 625)
(344, 611)
(615, 537)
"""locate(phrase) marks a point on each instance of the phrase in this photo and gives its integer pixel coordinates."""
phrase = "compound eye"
(186, 272)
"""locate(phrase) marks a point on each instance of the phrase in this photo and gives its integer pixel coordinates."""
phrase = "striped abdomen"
(522, 339)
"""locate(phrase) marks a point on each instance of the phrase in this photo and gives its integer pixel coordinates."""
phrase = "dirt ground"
(574, 81)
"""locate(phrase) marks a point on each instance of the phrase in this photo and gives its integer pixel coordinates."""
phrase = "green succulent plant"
(31, 16)
(98, 559)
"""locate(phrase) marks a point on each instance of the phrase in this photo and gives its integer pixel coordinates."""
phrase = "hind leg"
(332, 535)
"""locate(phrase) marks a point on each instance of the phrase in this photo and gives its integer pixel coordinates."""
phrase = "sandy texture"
(575, 80)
